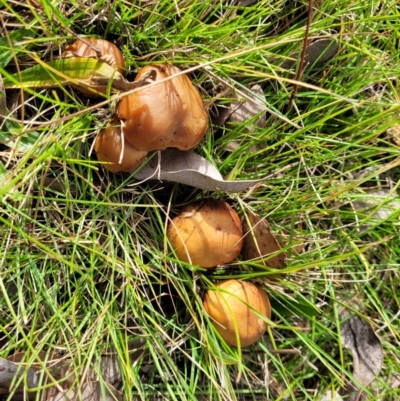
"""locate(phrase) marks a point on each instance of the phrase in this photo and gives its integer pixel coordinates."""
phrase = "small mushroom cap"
(168, 115)
(108, 51)
(109, 146)
(259, 242)
(232, 311)
(206, 233)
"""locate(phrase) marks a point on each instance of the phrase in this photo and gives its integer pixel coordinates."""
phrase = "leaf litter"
(317, 54)
(359, 337)
(89, 391)
(190, 169)
(11, 373)
(250, 113)
(98, 384)
(383, 203)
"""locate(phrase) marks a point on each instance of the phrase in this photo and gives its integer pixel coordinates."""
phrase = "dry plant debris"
(189, 168)
(366, 349)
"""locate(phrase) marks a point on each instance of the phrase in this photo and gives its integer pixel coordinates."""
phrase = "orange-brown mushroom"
(107, 51)
(111, 147)
(168, 115)
(101, 49)
(236, 309)
(207, 233)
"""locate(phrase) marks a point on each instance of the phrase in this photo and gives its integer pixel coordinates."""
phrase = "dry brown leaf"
(90, 391)
(18, 357)
(359, 337)
(297, 244)
(104, 368)
(51, 364)
(394, 133)
(259, 242)
(190, 169)
(59, 184)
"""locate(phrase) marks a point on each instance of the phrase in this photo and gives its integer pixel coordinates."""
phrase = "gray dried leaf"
(11, 288)
(247, 105)
(11, 372)
(395, 382)
(320, 51)
(104, 368)
(259, 242)
(190, 169)
(359, 337)
(317, 54)
(375, 198)
(109, 369)
(250, 108)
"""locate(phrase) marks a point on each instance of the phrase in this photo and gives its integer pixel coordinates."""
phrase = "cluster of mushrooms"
(169, 114)
(207, 233)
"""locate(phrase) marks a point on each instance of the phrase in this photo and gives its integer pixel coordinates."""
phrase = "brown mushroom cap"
(168, 115)
(232, 314)
(259, 242)
(108, 147)
(108, 51)
(206, 233)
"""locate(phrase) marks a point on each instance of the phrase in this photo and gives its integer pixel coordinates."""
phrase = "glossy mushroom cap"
(108, 51)
(207, 233)
(230, 308)
(168, 115)
(121, 156)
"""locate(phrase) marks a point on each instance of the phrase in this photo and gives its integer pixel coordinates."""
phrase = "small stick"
(303, 55)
